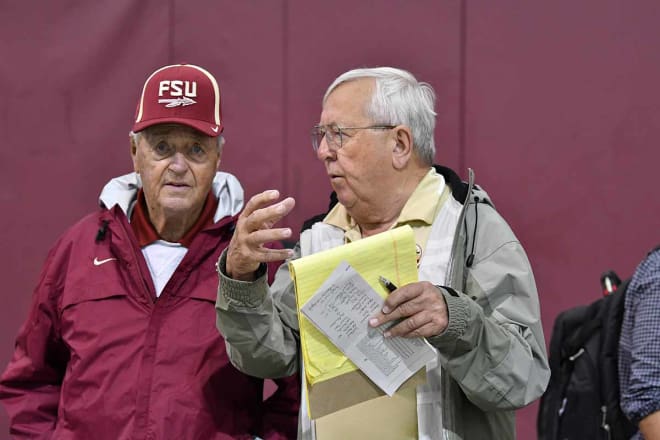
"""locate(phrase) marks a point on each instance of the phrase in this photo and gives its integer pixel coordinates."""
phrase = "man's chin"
(346, 200)
(176, 206)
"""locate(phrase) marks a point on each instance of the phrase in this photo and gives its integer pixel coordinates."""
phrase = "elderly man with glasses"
(476, 302)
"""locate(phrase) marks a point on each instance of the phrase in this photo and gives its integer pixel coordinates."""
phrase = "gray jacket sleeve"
(259, 324)
(493, 346)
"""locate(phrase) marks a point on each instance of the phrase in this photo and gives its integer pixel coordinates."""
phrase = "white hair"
(399, 99)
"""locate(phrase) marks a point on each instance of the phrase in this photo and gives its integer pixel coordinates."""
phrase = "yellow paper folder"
(390, 254)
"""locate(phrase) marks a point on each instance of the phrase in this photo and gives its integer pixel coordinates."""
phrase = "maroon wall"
(554, 104)
(562, 122)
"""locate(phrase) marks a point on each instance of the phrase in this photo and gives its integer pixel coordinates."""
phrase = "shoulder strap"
(586, 322)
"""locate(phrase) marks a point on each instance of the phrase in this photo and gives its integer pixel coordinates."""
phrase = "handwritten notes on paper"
(341, 309)
(390, 254)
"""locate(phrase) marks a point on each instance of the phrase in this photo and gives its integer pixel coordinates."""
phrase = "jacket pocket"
(91, 293)
(98, 314)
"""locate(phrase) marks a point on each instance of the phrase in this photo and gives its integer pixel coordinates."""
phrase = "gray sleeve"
(494, 345)
(259, 324)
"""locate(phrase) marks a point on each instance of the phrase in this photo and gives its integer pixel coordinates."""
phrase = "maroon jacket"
(101, 358)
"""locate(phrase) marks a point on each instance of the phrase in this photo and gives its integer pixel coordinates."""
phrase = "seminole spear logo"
(176, 102)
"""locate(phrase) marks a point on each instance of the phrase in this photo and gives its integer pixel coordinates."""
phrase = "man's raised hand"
(254, 229)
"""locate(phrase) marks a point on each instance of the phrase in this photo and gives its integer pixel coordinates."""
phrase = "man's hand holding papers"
(413, 311)
(341, 309)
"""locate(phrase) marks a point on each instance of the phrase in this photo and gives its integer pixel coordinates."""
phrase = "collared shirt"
(419, 211)
(639, 348)
(163, 257)
(146, 233)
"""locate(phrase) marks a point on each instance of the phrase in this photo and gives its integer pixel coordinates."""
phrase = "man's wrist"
(222, 269)
(234, 293)
(457, 317)
(232, 272)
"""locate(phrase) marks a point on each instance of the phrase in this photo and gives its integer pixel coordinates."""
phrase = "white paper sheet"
(341, 309)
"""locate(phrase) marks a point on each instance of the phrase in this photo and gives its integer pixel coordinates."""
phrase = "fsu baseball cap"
(181, 94)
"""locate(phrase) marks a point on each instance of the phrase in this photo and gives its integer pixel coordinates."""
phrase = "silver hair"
(399, 99)
(136, 138)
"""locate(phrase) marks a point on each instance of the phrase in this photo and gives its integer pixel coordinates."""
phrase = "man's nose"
(178, 163)
(324, 152)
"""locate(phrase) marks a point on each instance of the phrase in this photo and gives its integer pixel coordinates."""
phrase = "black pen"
(389, 285)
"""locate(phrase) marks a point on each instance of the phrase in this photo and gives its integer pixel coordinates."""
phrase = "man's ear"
(403, 149)
(221, 147)
(133, 150)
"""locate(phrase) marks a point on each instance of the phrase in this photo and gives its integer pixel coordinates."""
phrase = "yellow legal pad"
(390, 254)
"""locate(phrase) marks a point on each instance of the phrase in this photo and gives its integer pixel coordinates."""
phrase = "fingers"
(262, 236)
(260, 200)
(261, 213)
(254, 229)
(420, 308)
(421, 325)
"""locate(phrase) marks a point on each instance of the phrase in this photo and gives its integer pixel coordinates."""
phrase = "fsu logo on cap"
(184, 90)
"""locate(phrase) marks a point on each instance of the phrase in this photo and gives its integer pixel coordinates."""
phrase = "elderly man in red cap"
(120, 341)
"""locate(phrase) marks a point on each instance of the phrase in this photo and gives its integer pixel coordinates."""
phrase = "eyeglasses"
(334, 134)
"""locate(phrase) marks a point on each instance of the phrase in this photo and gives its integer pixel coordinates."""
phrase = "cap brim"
(203, 126)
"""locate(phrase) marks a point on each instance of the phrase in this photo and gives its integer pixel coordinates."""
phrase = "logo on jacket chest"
(98, 262)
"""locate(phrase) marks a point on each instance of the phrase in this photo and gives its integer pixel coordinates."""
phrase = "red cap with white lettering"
(180, 94)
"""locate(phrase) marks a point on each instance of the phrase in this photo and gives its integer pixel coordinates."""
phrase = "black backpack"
(582, 398)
